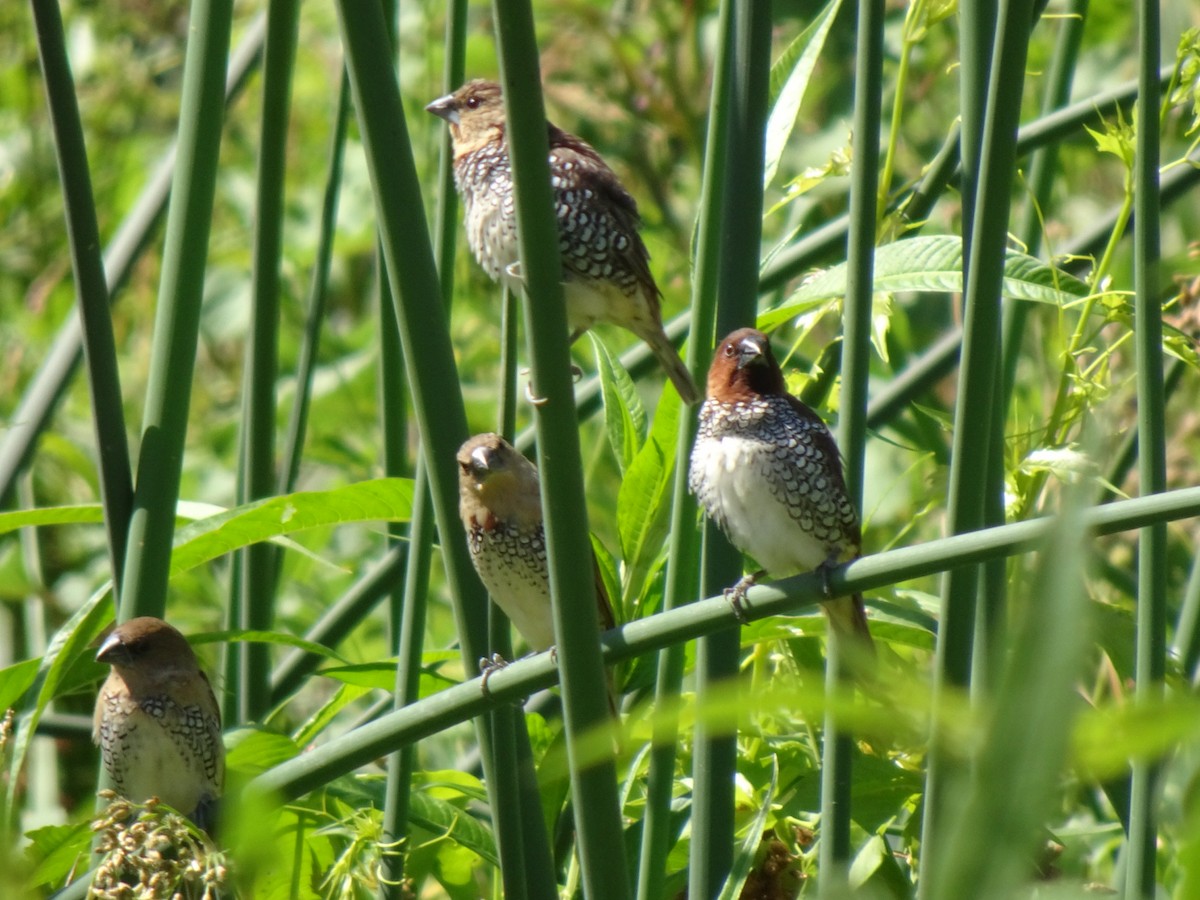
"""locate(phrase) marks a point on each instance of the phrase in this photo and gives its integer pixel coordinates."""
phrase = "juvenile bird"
(767, 471)
(605, 264)
(501, 508)
(157, 721)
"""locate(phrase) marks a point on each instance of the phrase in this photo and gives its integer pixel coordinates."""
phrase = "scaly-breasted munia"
(767, 470)
(605, 264)
(157, 721)
(500, 501)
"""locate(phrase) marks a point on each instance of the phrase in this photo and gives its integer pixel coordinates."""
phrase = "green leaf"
(16, 679)
(789, 80)
(381, 500)
(933, 263)
(744, 857)
(58, 850)
(624, 415)
(82, 514)
(70, 642)
(251, 750)
(644, 501)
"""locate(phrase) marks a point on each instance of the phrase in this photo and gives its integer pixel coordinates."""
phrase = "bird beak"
(750, 352)
(444, 108)
(113, 652)
(482, 458)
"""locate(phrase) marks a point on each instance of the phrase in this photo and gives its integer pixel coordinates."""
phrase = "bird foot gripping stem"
(488, 665)
(736, 596)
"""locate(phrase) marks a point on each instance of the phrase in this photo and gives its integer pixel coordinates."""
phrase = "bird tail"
(848, 617)
(673, 365)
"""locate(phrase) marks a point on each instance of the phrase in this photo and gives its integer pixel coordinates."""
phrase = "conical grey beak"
(444, 108)
(750, 351)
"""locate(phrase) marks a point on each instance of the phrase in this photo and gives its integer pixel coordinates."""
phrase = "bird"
(157, 721)
(605, 263)
(766, 469)
(500, 504)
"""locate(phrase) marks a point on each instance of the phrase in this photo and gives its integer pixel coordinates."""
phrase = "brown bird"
(501, 507)
(157, 721)
(767, 471)
(605, 264)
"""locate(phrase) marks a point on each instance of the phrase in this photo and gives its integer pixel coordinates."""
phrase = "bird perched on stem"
(500, 503)
(157, 721)
(605, 264)
(767, 471)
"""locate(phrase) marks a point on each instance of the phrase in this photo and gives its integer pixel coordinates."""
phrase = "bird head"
(744, 367)
(147, 642)
(475, 113)
(497, 483)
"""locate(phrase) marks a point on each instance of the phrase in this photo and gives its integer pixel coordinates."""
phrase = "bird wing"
(821, 436)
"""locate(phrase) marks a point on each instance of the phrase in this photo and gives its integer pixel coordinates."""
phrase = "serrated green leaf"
(624, 415)
(932, 263)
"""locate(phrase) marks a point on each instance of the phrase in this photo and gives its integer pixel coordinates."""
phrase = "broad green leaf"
(381, 500)
(644, 501)
(252, 751)
(932, 263)
(438, 816)
(624, 415)
(59, 849)
(380, 675)
(1104, 741)
(16, 679)
(789, 79)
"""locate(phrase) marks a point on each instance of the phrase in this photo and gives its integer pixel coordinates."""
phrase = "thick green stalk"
(258, 576)
(424, 336)
(682, 583)
(714, 768)
(83, 234)
(972, 431)
(837, 749)
(1029, 728)
(409, 645)
(599, 838)
(463, 702)
(1150, 658)
(177, 320)
(1042, 173)
(314, 320)
(411, 615)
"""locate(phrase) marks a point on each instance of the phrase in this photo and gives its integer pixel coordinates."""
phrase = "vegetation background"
(1057, 730)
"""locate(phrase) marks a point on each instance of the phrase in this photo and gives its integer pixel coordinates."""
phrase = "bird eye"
(730, 350)
(472, 103)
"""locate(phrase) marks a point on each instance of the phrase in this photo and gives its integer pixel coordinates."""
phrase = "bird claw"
(487, 667)
(529, 395)
(736, 596)
(576, 377)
